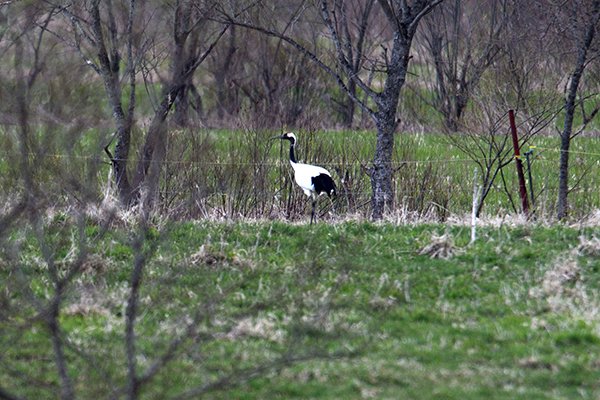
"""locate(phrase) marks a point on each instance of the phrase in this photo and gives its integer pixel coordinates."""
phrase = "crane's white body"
(303, 174)
(312, 179)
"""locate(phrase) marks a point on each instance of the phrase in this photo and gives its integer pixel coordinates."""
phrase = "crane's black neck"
(292, 155)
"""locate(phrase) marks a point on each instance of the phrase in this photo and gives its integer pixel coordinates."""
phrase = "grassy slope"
(478, 325)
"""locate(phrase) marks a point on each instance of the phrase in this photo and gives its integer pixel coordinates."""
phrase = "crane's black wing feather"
(324, 184)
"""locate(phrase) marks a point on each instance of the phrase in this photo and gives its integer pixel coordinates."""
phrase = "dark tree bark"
(385, 121)
(108, 67)
(583, 47)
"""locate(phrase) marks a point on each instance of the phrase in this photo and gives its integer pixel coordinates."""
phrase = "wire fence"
(282, 162)
(256, 187)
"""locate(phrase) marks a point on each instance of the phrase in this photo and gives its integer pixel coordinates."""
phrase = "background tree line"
(135, 71)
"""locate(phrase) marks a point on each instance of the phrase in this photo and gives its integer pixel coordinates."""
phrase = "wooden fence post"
(515, 139)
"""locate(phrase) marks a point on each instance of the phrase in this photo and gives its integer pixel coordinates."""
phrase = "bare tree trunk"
(155, 138)
(181, 59)
(570, 103)
(181, 116)
(108, 68)
(381, 172)
(182, 100)
(57, 344)
(349, 107)
(385, 120)
(224, 102)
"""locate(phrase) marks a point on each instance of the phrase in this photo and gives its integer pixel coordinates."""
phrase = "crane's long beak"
(277, 137)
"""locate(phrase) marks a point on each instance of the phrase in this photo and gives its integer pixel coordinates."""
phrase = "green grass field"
(349, 310)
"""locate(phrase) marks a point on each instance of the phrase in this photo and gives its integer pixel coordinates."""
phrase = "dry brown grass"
(215, 258)
(563, 286)
(441, 246)
(262, 327)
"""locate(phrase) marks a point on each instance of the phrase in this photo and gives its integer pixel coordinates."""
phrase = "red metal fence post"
(515, 139)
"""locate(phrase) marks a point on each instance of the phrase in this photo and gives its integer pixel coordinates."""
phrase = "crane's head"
(287, 136)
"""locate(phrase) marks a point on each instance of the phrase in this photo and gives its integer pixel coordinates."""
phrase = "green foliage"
(477, 325)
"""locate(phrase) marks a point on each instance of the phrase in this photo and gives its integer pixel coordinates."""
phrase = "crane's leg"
(312, 215)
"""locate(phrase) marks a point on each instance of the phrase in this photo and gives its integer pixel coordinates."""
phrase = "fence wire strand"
(285, 162)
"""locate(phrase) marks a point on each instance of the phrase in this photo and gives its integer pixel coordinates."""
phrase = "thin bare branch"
(140, 259)
(424, 8)
(344, 60)
(309, 54)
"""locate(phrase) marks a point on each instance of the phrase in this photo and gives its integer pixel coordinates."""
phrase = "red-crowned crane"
(313, 180)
